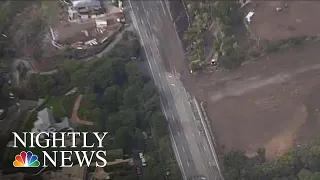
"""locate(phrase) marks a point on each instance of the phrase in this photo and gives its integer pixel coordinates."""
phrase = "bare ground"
(270, 102)
(297, 19)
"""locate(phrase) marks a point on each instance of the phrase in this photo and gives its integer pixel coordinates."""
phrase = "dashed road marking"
(188, 164)
(183, 149)
(164, 11)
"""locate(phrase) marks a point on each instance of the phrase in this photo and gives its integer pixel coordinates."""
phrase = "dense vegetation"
(222, 16)
(7, 11)
(4, 88)
(121, 101)
(302, 163)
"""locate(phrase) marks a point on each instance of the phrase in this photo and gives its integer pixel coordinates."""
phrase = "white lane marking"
(171, 134)
(183, 149)
(210, 163)
(135, 24)
(163, 88)
(172, 140)
(168, 7)
(188, 164)
(173, 84)
(169, 76)
(177, 153)
(178, 133)
(164, 11)
(204, 147)
(208, 138)
(185, 92)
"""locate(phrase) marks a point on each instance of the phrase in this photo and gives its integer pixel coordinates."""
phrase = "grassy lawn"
(56, 104)
(68, 103)
(31, 117)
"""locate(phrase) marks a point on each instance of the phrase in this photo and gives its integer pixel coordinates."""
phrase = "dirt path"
(30, 70)
(75, 117)
(297, 19)
(111, 45)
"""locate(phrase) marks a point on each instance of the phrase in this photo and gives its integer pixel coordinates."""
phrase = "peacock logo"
(26, 159)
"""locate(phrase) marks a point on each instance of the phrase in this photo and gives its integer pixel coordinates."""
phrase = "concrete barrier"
(209, 136)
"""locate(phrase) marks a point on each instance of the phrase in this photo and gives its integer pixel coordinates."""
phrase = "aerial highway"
(191, 141)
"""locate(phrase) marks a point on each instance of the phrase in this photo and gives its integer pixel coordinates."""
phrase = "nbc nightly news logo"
(45, 140)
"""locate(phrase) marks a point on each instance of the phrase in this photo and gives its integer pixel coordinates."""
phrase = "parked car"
(141, 155)
(143, 160)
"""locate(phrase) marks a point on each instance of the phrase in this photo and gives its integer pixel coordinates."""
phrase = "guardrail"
(209, 136)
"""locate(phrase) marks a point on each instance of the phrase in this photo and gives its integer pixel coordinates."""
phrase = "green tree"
(131, 96)
(235, 161)
(112, 98)
(262, 154)
(79, 78)
(123, 137)
(134, 75)
(154, 173)
(159, 125)
(45, 84)
(305, 174)
(71, 66)
(95, 115)
(112, 123)
(138, 138)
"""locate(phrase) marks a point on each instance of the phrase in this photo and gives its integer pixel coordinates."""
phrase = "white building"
(86, 5)
(46, 123)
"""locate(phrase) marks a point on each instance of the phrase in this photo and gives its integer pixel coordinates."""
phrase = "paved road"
(193, 150)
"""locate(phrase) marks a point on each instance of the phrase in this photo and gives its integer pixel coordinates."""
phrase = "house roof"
(46, 117)
(86, 3)
(74, 33)
(71, 173)
(64, 124)
(46, 120)
(113, 9)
